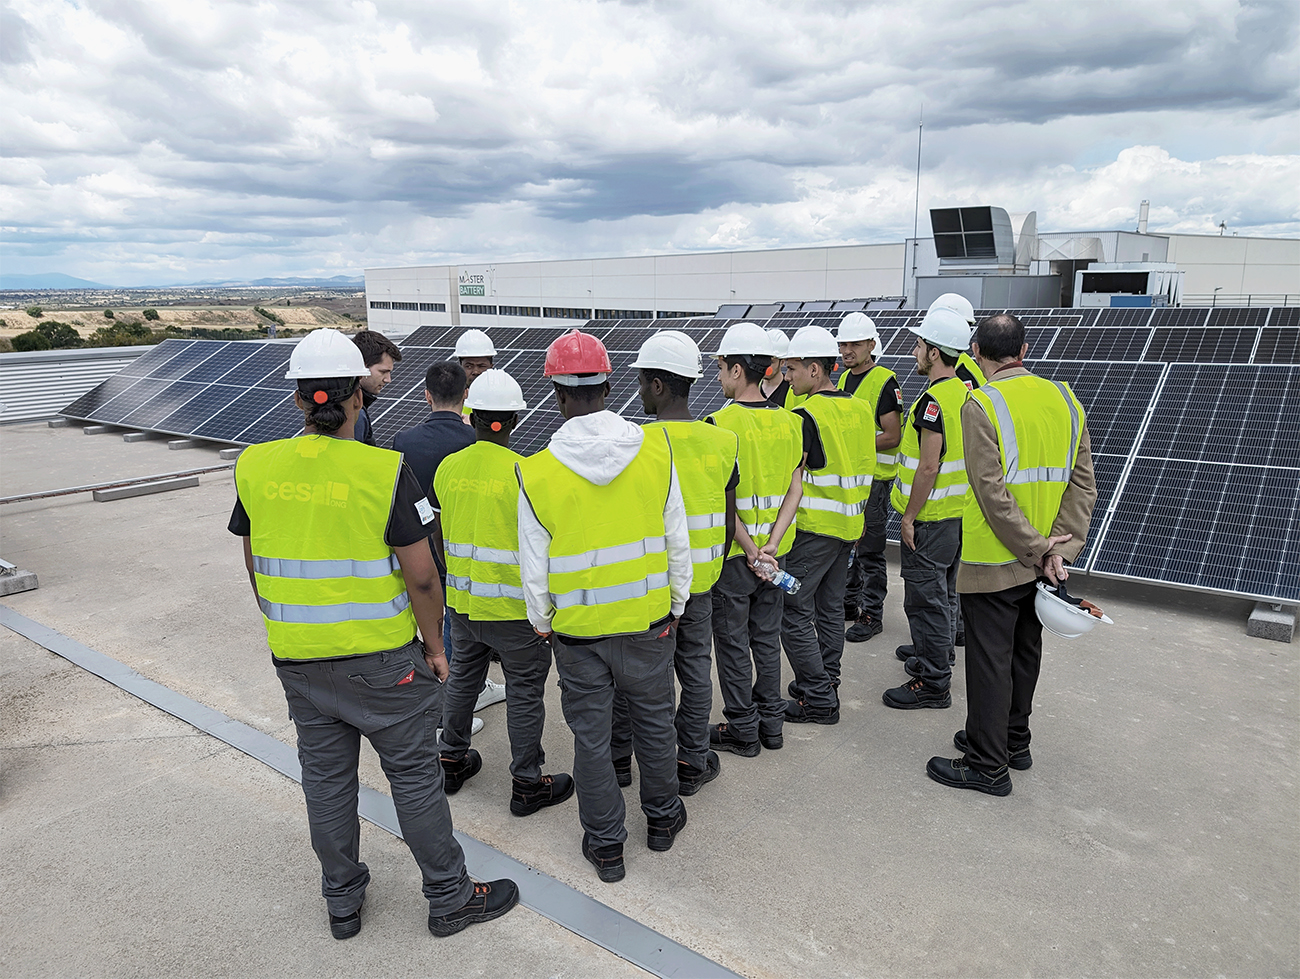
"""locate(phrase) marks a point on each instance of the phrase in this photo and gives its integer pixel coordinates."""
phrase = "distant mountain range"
(57, 280)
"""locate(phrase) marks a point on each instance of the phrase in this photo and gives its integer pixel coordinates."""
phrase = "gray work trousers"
(930, 595)
(746, 643)
(526, 662)
(640, 666)
(868, 582)
(812, 621)
(394, 699)
(693, 663)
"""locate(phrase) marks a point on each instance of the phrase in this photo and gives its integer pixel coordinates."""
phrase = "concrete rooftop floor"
(1157, 833)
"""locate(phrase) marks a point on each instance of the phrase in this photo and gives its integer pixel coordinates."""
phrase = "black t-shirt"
(778, 396)
(928, 417)
(891, 395)
(812, 441)
(967, 378)
(406, 524)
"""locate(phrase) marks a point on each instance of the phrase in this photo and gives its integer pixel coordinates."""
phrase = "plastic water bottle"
(787, 582)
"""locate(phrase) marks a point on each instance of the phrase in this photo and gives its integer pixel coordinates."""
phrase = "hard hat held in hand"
(780, 343)
(855, 327)
(1064, 616)
(474, 343)
(495, 390)
(671, 351)
(812, 341)
(944, 329)
(745, 340)
(576, 353)
(326, 353)
(958, 303)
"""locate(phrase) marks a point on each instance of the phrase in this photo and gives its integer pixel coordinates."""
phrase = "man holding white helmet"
(1032, 490)
(930, 494)
(336, 546)
(476, 353)
(878, 386)
(967, 370)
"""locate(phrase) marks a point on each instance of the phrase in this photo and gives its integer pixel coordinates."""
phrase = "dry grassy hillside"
(87, 321)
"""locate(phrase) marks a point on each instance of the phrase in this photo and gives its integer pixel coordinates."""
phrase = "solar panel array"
(1189, 411)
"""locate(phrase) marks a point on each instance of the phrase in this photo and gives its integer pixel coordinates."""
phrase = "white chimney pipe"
(1143, 208)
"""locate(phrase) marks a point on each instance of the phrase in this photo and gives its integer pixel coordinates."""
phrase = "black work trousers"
(1004, 651)
(868, 582)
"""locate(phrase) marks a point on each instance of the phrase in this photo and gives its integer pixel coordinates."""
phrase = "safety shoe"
(862, 630)
(661, 831)
(550, 790)
(690, 778)
(608, 860)
(905, 653)
(457, 771)
(720, 737)
(915, 694)
(799, 712)
(956, 773)
(623, 771)
(346, 925)
(772, 742)
(491, 899)
(492, 693)
(1018, 758)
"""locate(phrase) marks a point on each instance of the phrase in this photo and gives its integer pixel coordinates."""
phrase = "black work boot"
(491, 899)
(799, 712)
(550, 790)
(608, 860)
(343, 926)
(457, 771)
(720, 737)
(862, 630)
(690, 778)
(623, 771)
(1018, 758)
(661, 831)
(915, 694)
(956, 773)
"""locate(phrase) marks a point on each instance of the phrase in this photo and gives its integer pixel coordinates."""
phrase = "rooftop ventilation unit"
(966, 237)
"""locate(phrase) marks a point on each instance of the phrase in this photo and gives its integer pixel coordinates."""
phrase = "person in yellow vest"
(747, 606)
(968, 372)
(1032, 490)
(839, 450)
(862, 377)
(705, 459)
(605, 564)
(336, 545)
(930, 493)
(476, 353)
(476, 532)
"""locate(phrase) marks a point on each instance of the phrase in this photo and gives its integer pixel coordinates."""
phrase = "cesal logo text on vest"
(325, 494)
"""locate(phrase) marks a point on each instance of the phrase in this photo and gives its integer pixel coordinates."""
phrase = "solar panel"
(1115, 397)
(397, 417)
(1099, 343)
(1278, 345)
(250, 370)
(283, 420)
(1226, 316)
(156, 357)
(535, 431)
(1178, 316)
(88, 405)
(1106, 470)
(162, 404)
(193, 413)
(227, 424)
(1284, 316)
(1123, 317)
(1225, 345)
(130, 399)
(408, 373)
(427, 336)
(221, 362)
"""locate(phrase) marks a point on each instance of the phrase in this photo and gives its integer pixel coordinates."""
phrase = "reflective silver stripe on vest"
(278, 567)
(945, 468)
(607, 555)
(706, 521)
(843, 482)
(484, 589)
(754, 529)
(485, 555)
(334, 614)
(834, 506)
(1006, 425)
(759, 502)
(887, 458)
(936, 493)
(611, 593)
(703, 555)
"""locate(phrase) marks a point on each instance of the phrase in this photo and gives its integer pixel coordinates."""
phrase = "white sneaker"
(493, 693)
(475, 726)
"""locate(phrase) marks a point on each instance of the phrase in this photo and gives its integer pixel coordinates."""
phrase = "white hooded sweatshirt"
(598, 447)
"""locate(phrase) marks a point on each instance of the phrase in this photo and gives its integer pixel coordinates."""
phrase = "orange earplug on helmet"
(496, 426)
(320, 397)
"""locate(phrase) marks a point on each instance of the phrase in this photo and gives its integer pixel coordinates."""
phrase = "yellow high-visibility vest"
(609, 554)
(479, 495)
(967, 362)
(835, 496)
(869, 391)
(1039, 424)
(705, 457)
(948, 497)
(771, 448)
(327, 582)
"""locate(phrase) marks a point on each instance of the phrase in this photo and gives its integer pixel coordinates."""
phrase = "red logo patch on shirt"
(898, 393)
(406, 679)
(932, 411)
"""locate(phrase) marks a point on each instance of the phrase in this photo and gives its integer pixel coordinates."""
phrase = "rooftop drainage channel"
(570, 909)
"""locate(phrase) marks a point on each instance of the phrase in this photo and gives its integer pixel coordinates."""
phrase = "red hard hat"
(576, 353)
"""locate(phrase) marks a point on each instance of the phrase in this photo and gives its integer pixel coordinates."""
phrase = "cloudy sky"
(155, 142)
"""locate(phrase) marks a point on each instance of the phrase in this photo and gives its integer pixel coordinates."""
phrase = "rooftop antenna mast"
(916, 207)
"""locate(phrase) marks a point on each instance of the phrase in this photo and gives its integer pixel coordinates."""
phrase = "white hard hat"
(812, 341)
(855, 327)
(780, 343)
(958, 303)
(326, 353)
(944, 329)
(474, 343)
(495, 390)
(671, 351)
(1065, 618)
(745, 339)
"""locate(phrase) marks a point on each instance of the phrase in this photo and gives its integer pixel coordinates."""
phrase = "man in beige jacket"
(1032, 491)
